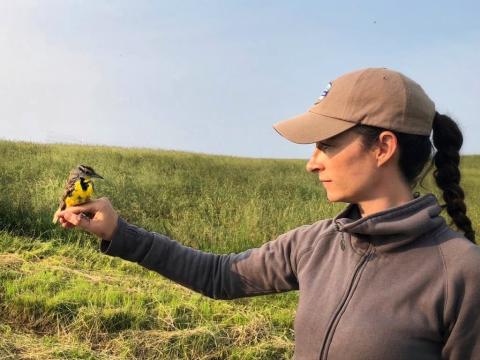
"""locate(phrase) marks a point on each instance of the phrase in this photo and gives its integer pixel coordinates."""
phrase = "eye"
(322, 146)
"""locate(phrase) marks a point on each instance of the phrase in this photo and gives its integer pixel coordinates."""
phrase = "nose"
(315, 164)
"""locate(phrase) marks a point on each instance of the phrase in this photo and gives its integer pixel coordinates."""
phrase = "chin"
(334, 199)
(331, 198)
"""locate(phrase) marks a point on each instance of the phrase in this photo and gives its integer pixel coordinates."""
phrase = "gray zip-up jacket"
(398, 284)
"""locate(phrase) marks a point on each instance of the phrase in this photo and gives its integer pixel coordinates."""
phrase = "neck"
(384, 201)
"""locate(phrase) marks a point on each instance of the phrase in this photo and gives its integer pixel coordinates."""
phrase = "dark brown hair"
(417, 150)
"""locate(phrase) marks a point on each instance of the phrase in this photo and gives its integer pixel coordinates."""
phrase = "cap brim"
(310, 127)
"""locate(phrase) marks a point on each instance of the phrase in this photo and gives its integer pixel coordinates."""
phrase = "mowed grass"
(60, 298)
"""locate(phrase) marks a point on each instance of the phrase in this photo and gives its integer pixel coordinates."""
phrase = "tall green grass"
(62, 299)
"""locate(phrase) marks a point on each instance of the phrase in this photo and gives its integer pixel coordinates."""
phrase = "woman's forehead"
(346, 136)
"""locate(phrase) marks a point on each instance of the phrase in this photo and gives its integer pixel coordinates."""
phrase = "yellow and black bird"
(78, 188)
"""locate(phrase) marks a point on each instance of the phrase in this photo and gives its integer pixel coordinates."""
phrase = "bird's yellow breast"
(79, 195)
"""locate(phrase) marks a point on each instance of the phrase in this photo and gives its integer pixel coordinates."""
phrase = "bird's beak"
(96, 176)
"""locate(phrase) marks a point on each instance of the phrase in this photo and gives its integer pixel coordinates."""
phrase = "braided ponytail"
(447, 140)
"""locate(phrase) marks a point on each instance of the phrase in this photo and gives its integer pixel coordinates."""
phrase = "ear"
(386, 149)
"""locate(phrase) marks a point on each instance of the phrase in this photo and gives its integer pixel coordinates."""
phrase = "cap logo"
(324, 93)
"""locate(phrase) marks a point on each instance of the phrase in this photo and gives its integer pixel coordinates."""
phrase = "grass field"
(60, 298)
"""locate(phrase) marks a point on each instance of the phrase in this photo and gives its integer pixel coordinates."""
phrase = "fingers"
(103, 222)
(65, 224)
(71, 219)
(74, 216)
(90, 206)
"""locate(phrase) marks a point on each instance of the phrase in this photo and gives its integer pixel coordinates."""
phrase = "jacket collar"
(394, 227)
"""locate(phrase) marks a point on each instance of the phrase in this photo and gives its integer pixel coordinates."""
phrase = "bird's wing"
(69, 188)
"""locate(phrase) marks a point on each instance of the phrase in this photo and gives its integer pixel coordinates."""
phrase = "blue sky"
(213, 76)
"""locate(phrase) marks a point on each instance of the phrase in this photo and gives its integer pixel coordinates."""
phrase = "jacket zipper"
(342, 242)
(340, 308)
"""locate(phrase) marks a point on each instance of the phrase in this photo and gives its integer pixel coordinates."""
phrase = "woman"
(386, 278)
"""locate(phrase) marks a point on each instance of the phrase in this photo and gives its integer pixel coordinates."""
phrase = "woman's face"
(351, 171)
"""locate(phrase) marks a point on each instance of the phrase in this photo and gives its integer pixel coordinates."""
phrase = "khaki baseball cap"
(374, 96)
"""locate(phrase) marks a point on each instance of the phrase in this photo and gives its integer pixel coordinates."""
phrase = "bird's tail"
(55, 216)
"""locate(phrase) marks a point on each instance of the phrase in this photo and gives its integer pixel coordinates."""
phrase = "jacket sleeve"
(267, 269)
(463, 307)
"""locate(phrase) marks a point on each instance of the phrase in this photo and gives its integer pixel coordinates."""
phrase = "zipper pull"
(342, 242)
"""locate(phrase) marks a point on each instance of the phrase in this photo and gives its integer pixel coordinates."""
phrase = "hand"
(103, 222)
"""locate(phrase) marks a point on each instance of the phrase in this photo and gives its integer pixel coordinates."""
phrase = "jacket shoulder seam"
(313, 245)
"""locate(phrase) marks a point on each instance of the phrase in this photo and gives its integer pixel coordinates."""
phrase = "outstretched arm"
(267, 269)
